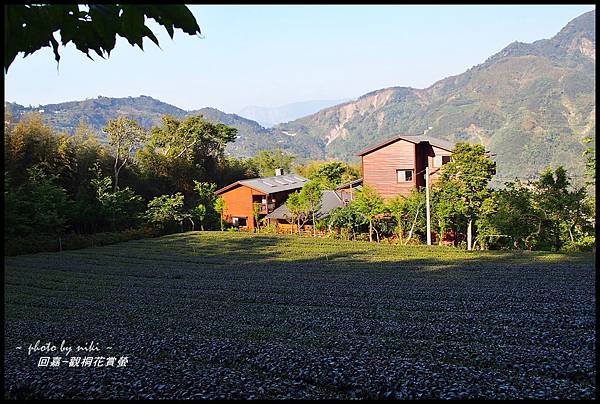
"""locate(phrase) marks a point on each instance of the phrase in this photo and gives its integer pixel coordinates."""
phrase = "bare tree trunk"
(116, 175)
(370, 231)
(571, 234)
(469, 234)
(413, 225)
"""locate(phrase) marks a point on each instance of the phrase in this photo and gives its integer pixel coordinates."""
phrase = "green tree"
(39, 206)
(256, 216)
(346, 219)
(408, 214)
(232, 169)
(124, 135)
(561, 206)
(182, 151)
(298, 208)
(447, 210)
(220, 207)
(310, 196)
(198, 213)
(369, 204)
(31, 143)
(268, 161)
(165, 211)
(206, 198)
(91, 27)
(467, 177)
(510, 215)
(590, 164)
(120, 208)
(330, 173)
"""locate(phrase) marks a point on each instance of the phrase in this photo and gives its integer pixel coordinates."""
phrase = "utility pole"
(427, 205)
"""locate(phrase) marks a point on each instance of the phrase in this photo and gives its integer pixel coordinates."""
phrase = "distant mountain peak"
(531, 103)
(271, 116)
(577, 38)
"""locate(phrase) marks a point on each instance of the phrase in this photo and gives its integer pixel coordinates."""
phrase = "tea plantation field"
(231, 315)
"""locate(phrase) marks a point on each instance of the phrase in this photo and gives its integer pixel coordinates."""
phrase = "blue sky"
(274, 55)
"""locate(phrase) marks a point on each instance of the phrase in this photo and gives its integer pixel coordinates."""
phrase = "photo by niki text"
(74, 355)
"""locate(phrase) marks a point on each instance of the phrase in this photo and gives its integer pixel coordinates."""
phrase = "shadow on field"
(234, 315)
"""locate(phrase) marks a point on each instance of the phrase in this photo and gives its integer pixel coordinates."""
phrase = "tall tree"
(467, 176)
(182, 151)
(560, 204)
(125, 136)
(298, 208)
(311, 194)
(268, 161)
(330, 173)
(205, 210)
(369, 204)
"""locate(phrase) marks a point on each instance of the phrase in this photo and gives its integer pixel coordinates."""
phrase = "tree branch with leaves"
(91, 27)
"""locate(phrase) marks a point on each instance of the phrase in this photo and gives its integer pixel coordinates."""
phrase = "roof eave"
(230, 186)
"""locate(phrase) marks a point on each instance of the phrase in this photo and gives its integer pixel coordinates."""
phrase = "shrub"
(270, 228)
(45, 243)
(587, 243)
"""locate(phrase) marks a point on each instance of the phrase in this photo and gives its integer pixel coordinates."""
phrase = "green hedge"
(45, 243)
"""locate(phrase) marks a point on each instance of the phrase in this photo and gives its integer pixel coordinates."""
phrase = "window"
(439, 161)
(404, 175)
(239, 221)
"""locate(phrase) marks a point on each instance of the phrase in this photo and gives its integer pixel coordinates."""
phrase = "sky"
(276, 55)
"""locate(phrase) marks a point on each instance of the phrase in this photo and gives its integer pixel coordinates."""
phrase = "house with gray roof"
(246, 199)
(329, 201)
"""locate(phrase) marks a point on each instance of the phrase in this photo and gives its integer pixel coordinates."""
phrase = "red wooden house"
(396, 166)
(266, 193)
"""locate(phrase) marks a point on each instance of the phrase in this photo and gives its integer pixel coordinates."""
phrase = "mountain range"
(531, 104)
(271, 116)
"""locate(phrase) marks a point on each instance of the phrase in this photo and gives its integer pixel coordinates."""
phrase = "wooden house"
(267, 194)
(396, 166)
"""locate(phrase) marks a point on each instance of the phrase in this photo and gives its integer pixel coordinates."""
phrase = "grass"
(234, 315)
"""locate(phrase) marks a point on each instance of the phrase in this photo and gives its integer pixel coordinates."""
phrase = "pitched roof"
(329, 201)
(269, 185)
(441, 143)
(351, 184)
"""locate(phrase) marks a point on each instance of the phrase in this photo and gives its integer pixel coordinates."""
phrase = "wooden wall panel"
(238, 202)
(436, 152)
(379, 168)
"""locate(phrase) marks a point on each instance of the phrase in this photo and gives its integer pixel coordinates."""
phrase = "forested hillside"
(531, 104)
